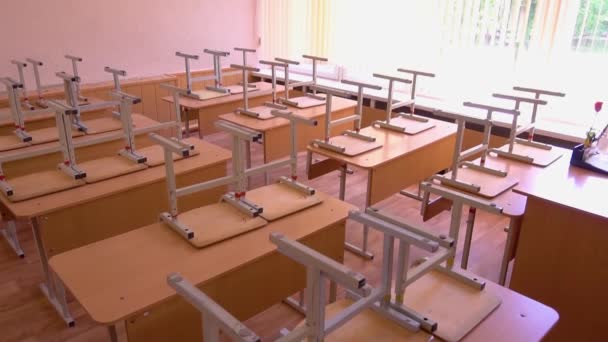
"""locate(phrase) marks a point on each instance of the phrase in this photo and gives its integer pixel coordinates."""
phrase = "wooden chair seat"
(41, 183)
(217, 222)
(155, 155)
(109, 167)
(279, 200)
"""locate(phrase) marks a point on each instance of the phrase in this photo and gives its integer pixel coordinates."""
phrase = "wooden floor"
(26, 316)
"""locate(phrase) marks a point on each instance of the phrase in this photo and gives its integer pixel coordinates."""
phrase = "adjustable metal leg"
(112, 333)
(52, 288)
(417, 197)
(468, 237)
(200, 129)
(333, 291)
(362, 251)
(509, 246)
(342, 194)
(10, 234)
(247, 161)
(187, 122)
(298, 305)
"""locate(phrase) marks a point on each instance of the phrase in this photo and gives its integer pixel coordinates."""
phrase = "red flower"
(598, 106)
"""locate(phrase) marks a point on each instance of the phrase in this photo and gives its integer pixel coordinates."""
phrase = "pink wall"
(140, 36)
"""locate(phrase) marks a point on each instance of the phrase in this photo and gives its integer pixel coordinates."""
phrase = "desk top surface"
(125, 274)
(139, 121)
(316, 112)
(209, 155)
(264, 88)
(394, 144)
(512, 202)
(6, 117)
(570, 186)
(518, 318)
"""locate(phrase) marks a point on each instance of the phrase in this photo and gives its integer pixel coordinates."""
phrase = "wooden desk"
(276, 131)
(50, 161)
(45, 118)
(89, 213)
(206, 112)
(115, 282)
(513, 204)
(401, 161)
(562, 256)
(517, 318)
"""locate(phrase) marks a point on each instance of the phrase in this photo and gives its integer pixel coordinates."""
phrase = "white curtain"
(475, 47)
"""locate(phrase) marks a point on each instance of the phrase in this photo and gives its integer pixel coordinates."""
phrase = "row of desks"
(132, 280)
(85, 153)
(46, 118)
(119, 284)
(68, 219)
(239, 280)
(207, 112)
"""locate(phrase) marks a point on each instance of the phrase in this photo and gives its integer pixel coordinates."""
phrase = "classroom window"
(475, 47)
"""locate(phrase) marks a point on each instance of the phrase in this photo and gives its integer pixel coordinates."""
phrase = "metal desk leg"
(187, 122)
(417, 197)
(333, 291)
(299, 304)
(266, 174)
(10, 234)
(200, 129)
(112, 333)
(360, 251)
(454, 228)
(52, 288)
(464, 263)
(514, 225)
(247, 160)
(343, 171)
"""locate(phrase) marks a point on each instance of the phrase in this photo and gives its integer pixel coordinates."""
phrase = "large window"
(475, 47)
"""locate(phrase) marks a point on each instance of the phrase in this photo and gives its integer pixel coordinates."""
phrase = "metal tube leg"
(362, 251)
(342, 182)
(454, 228)
(248, 160)
(43, 256)
(10, 234)
(187, 122)
(60, 295)
(467, 239)
(504, 266)
(299, 305)
(200, 129)
(112, 333)
(333, 291)
(49, 286)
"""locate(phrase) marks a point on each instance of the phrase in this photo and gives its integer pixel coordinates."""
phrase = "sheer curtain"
(475, 47)
(288, 28)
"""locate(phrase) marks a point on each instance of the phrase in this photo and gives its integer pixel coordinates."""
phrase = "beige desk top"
(338, 104)
(125, 274)
(209, 155)
(570, 186)
(6, 118)
(518, 318)
(394, 144)
(512, 202)
(139, 121)
(264, 88)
